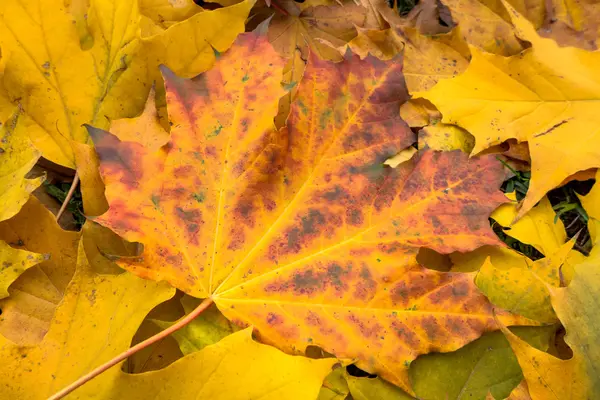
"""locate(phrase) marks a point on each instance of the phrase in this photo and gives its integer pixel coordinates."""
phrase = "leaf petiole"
(142, 345)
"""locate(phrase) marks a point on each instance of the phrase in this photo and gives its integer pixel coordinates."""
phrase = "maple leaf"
(145, 128)
(374, 388)
(445, 137)
(549, 377)
(61, 85)
(236, 367)
(17, 157)
(309, 26)
(511, 280)
(158, 15)
(546, 96)
(14, 263)
(427, 59)
(570, 23)
(118, 303)
(306, 236)
(334, 386)
(485, 364)
(27, 313)
(484, 24)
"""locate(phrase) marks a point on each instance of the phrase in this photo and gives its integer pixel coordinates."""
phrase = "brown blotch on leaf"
(405, 334)
(175, 260)
(456, 327)
(365, 288)
(244, 213)
(310, 281)
(118, 155)
(274, 319)
(354, 216)
(336, 194)
(431, 327)
(183, 171)
(309, 228)
(365, 330)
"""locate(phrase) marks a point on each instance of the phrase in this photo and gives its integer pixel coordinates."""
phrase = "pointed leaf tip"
(263, 27)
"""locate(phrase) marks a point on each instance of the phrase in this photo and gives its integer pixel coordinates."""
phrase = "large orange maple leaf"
(304, 233)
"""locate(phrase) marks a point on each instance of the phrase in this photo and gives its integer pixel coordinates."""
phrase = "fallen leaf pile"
(352, 200)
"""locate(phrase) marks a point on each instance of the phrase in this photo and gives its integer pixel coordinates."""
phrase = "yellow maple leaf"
(145, 129)
(14, 262)
(511, 280)
(521, 392)
(446, 137)
(27, 313)
(546, 96)
(62, 85)
(103, 310)
(570, 23)
(158, 15)
(235, 368)
(303, 232)
(549, 377)
(17, 157)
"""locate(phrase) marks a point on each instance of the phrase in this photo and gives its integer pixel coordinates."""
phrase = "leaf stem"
(279, 8)
(153, 339)
(69, 196)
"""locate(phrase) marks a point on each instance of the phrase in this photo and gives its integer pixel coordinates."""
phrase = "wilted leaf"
(547, 96)
(426, 16)
(487, 364)
(17, 157)
(570, 23)
(427, 59)
(485, 24)
(577, 378)
(14, 262)
(315, 245)
(236, 368)
(104, 311)
(26, 314)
